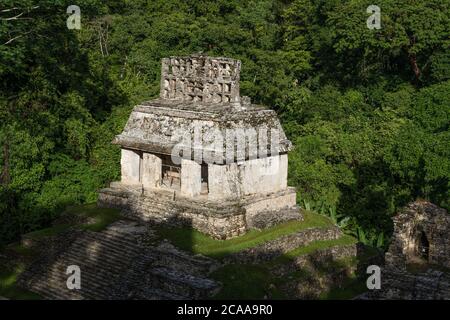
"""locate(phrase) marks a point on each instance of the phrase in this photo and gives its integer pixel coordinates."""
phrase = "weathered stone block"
(151, 170)
(130, 163)
(191, 180)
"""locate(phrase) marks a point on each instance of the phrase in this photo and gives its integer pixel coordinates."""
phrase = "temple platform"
(222, 219)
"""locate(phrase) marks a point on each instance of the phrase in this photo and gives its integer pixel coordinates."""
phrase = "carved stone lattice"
(200, 79)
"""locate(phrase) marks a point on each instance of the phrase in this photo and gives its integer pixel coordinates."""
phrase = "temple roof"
(157, 126)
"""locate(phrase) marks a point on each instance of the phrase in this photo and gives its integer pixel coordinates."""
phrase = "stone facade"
(222, 220)
(421, 230)
(219, 161)
(417, 264)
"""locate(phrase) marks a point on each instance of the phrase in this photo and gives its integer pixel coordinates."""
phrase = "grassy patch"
(191, 240)
(245, 281)
(316, 245)
(47, 232)
(242, 281)
(8, 286)
(100, 217)
(98, 220)
(352, 287)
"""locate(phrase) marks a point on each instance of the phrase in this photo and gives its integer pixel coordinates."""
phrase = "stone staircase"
(118, 263)
(164, 272)
(114, 265)
(102, 258)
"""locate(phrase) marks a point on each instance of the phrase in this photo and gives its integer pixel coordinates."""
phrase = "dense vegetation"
(367, 110)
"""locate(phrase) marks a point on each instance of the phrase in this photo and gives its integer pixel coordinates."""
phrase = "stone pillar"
(130, 163)
(224, 181)
(151, 171)
(283, 171)
(191, 178)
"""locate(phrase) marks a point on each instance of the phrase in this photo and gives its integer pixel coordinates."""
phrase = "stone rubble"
(431, 257)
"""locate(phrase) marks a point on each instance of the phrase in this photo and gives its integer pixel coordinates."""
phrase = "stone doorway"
(204, 177)
(423, 246)
(171, 173)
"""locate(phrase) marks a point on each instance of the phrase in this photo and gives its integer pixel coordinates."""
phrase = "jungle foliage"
(367, 110)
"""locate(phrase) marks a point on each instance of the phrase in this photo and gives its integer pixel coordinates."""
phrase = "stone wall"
(220, 220)
(191, 181)
(408, 274)
(399, 284)
(158, 127)
(418, 217)
(130, 163)
(271, 249)
(256, 176)
(151, 170)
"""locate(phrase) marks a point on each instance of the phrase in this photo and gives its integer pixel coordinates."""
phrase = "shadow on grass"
(310, 271)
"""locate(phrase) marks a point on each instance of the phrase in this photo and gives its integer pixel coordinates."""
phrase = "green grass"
(316, 245)
(100, 218)
(352, 287)
(246, 281)
(47, 232)
(191, 240)
(8, 287)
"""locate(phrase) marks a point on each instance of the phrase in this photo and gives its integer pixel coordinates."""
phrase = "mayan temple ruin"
(198, 158)
(202, 155)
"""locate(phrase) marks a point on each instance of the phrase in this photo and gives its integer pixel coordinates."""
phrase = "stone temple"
(202, 155)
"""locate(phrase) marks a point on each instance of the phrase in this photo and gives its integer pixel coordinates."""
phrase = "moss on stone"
(248, 281)
(191, 240)
(8, 283)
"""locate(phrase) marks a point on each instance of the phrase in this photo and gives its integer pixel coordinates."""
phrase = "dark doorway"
(171, 173)
(204, 177)
(424, 246)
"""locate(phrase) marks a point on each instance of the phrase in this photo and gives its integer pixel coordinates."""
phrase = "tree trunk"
(414, 66)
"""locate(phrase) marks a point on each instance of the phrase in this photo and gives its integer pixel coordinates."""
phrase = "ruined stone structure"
(418, 260)
(421, 231)
(202, 155)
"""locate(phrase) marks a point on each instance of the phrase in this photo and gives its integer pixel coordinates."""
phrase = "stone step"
(108, 236)
(85, 247)
(167, 255)
(102, 257)
(114, 266)
(55, 292)
(52, 292)
(277, 247)
(90, 276)
(156, 294)
(181, 284)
